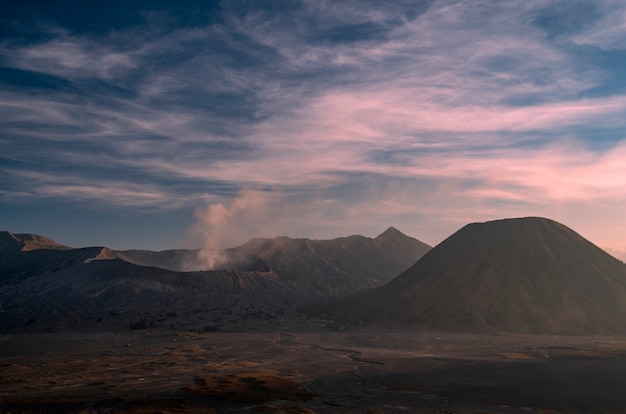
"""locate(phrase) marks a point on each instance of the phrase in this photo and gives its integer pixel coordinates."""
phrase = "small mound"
(254, 387)
(284, 410)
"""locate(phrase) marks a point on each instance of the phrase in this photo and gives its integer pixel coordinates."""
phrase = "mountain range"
(525, 276)
(47, 286)
(529, 275)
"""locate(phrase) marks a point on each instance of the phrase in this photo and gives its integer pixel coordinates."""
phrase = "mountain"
(328, 267)
(337, 266)
(45, 284)
(382, 257)
(529, 275)
(27, 242)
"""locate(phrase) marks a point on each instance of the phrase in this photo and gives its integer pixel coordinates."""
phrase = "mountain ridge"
(259, 279)
(255, 248)
(28, 241)
(523, 275)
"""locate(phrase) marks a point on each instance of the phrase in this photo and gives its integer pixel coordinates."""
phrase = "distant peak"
(390, 232)
(106, 254)
(8, 238)
(29, 242)
(7, 235)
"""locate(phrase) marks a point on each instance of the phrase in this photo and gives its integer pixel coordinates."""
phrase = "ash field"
(311, 370)
(508, 316)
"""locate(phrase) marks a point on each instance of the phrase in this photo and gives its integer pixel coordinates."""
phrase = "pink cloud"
(371, 115)
(105, 192)
(609, 32)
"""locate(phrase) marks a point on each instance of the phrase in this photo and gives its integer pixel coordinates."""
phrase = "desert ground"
(310, 369)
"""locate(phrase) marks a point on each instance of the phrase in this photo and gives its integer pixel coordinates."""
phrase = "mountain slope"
(27, 242)
(529, 275)
(178, 260)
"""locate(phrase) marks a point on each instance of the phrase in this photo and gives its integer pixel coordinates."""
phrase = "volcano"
(47, 286)
(528, 275)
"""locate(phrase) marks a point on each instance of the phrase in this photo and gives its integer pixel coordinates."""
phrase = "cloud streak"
(355, 116)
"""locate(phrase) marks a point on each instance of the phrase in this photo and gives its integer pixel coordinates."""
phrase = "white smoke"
(310, 214)
(252, 213)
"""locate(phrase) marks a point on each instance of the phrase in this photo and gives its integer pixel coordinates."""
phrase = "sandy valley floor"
(310, 370)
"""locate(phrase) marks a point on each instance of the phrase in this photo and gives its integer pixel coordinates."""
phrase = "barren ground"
(305, 370)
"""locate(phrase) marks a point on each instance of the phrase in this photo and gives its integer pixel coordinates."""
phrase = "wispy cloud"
(98, 193)
(607, 32)
(74, 58)
(432, 112)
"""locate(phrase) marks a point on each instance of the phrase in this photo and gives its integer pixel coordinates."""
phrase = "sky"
(159, 124)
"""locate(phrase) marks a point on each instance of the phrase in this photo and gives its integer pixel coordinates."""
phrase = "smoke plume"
(218, 226)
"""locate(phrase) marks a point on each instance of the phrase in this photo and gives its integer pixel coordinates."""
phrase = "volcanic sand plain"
(305, 369)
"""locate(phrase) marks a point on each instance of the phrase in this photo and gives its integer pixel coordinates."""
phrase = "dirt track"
(360, 371)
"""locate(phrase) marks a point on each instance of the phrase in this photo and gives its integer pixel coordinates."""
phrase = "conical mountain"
(528, 275)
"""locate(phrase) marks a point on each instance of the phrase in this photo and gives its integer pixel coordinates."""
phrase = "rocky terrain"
(528, 276)
(310, 370)
(45, 286)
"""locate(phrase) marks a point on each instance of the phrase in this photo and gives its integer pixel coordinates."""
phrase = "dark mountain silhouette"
(528, 275)
(42, 281)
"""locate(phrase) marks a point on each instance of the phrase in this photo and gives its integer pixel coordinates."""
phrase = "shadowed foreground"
(313, 370)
